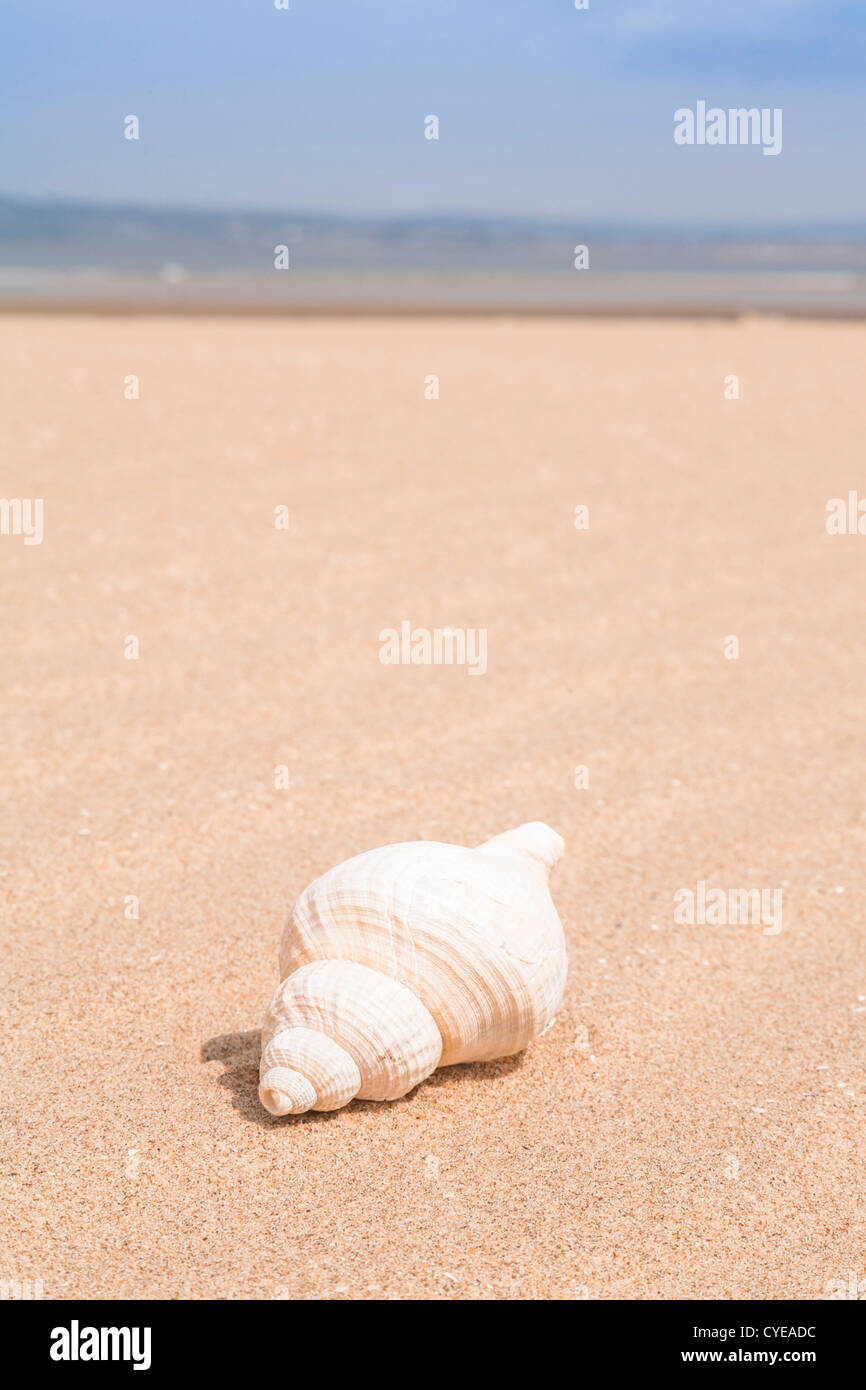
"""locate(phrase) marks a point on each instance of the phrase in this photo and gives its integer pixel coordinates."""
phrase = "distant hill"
(74, 253)
(56, 233)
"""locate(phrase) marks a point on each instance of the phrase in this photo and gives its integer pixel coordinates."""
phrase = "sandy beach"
(693, 1124)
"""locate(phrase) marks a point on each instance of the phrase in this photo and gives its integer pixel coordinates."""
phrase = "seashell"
(408, 958)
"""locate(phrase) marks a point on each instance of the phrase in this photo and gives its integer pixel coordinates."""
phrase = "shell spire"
(411, 957)
(535, 839)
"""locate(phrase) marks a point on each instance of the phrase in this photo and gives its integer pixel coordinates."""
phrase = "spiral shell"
(408, 958)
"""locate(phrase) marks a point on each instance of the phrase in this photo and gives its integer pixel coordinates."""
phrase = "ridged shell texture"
(408, 958)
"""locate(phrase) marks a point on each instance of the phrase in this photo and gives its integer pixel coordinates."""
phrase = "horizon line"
(539, 221)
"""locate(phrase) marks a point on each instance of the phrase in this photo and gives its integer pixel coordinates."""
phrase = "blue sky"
(544, 110)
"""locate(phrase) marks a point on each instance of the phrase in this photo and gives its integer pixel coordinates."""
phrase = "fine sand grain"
(693, 1124)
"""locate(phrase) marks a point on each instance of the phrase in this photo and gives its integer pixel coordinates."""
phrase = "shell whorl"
(410, 957)
(336, 1030)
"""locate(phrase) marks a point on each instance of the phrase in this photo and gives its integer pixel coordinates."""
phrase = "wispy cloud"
(637, 18)
(796, 42)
